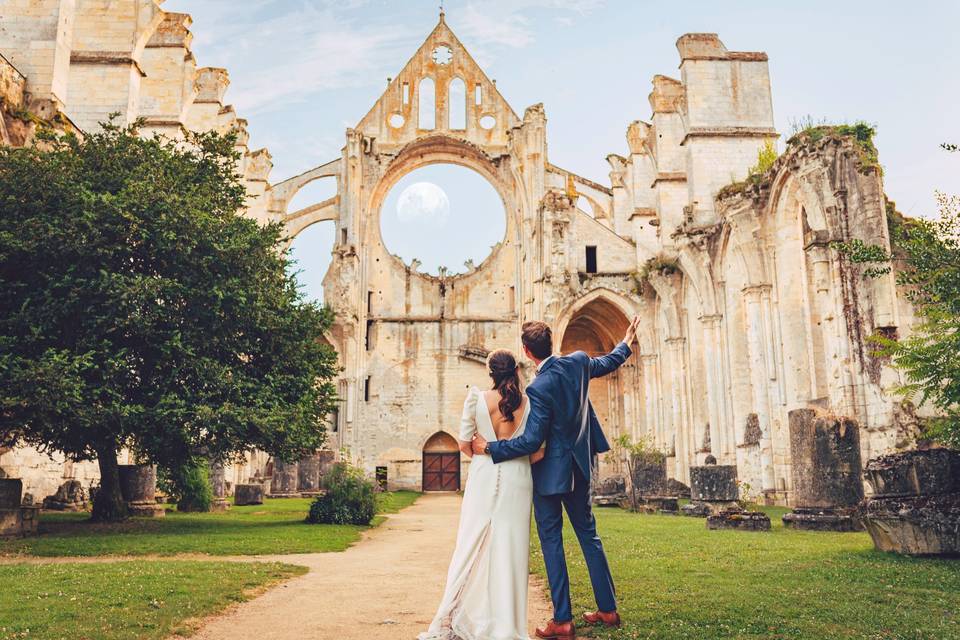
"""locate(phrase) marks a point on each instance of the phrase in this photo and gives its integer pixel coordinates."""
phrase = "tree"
(926, 261)
(141, 310)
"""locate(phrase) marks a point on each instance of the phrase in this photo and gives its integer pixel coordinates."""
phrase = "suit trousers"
(548, 513)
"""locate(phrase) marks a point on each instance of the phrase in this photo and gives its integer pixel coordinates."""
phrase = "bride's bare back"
(501, 426)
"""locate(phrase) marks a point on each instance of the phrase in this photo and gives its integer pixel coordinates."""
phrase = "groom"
(561, 416)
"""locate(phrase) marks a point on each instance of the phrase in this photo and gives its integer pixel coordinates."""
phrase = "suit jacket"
(561, 415)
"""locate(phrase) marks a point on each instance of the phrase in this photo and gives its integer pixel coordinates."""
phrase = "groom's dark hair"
(537, 338)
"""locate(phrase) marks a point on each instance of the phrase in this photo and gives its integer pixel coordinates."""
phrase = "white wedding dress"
(486, 593)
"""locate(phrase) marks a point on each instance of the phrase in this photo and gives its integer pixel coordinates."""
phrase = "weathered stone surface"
(674, 487)
(138, 485)
(822, 519)
(741, 520)
(610, 491)
(917, 525)
(245, 494)
(915, 473)
(649, 476)
(11, 489)
(826, 460)
(696, 509)
(714, 483)
(286, 477)
(70, 496)
(308, 470)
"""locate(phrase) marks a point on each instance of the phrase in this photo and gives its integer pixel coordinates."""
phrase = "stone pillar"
(715, 393)
(651, 398)
(218, 484)
(827, 486)
(286, 477)
(308, 470)
(759, 377)
(678, 394)
(138, 485)
(327, 460)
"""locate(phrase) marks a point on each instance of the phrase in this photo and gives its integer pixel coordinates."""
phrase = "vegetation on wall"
(862, 133)
(656, 265)
(926, 262)
(141, 310)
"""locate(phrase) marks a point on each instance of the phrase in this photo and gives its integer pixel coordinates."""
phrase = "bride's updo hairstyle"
(506, 380)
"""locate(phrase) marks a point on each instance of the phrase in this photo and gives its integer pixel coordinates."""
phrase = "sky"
(302, 71)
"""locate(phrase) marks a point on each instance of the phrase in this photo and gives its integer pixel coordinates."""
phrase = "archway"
(596, 328)
(441, 463)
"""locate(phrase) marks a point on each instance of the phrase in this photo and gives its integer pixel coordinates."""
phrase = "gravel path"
(387, 585)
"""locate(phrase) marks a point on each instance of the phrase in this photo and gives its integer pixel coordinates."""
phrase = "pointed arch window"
(427, 104)
(457, 103)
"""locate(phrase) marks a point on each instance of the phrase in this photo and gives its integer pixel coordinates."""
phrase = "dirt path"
(387, 585)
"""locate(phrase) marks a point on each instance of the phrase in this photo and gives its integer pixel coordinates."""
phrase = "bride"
(486, 593)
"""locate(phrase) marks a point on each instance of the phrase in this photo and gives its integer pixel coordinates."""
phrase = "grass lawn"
(675, 579)
(275, 527)
(133, 599)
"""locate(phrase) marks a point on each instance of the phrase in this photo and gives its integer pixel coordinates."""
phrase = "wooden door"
(441, 471)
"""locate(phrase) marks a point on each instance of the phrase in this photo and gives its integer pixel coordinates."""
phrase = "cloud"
(423, 202)
(508, 22)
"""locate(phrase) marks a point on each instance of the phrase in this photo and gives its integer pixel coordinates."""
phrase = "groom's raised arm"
(533, 435)
(603, 365)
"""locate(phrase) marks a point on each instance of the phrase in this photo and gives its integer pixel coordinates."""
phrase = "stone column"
(286, 478)
(759, 377)
(308, 470)
(715, 392)
(651, 398)
(827, 485)
(218, 484)
(684, 446)
(138, 485)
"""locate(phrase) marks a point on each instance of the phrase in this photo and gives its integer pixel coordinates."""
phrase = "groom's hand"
(632, 331)
(478, 444)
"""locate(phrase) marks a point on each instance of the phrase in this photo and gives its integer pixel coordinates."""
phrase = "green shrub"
(188, 486)
(350, 498)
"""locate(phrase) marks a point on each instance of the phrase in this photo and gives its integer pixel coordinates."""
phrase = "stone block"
(714, 483)
(70, 496)
(649, 476)
(825, 452)
(915, 525)
(696, 510)
(308, 471)
(814, 519)
(286, 477)
(11, 489)
(245, 494)
(915, 473)
(741, 520)
(610, 492)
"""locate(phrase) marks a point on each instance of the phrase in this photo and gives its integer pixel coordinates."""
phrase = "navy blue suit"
(561, 416)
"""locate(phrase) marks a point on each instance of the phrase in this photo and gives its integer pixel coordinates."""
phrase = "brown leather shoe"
(558, 631)
(609, 619)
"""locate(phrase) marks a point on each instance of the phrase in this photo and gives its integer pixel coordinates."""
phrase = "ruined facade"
(748, 313)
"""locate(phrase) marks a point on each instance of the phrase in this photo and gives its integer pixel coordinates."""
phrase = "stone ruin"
(299, 479)
(17, 517)
(915, 507)
(70, 496)
(715, 495)
(741, 296)
(247, 494)
(138, 485)
(713, 488)
(827, 474)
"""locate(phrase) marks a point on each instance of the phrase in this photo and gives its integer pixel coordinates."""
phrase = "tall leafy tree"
(140, 310)
(926, 261)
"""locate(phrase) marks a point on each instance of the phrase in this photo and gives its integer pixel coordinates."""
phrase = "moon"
(423, 202)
